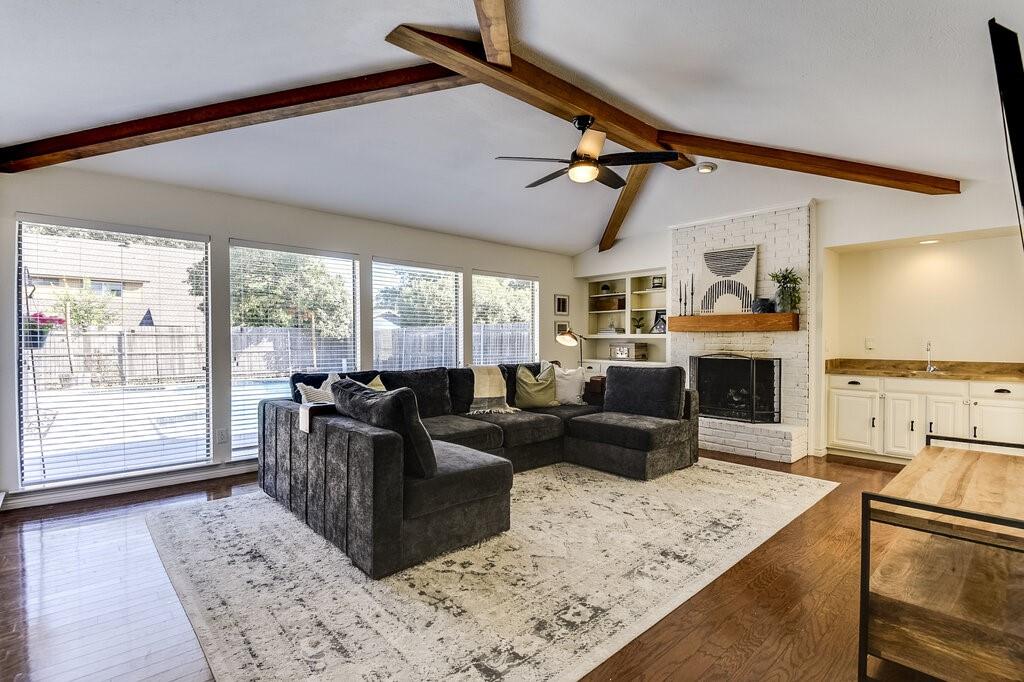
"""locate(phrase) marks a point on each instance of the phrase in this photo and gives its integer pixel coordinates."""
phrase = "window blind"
(505, 325)
(113, 351)
(290, 312)
(416, 316)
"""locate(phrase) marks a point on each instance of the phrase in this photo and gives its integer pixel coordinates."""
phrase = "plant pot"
(34, 339)
(639, 330)
(787, 299)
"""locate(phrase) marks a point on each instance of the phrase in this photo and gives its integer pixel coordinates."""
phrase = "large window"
(416, 316)
(504, 319)
(112, 345)
(290, 311)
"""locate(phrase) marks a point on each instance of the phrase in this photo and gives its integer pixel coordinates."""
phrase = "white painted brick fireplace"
(785, 238)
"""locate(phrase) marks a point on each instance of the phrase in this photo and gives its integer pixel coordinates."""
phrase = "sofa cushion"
(318, 378)
(463, 475)
(460, 387)
(651, 391)
(395, 410)
(566, 412)
(535, 391)
(509, 371)
(634, 431)
(473, 433)
(429, 385)
(523, 428)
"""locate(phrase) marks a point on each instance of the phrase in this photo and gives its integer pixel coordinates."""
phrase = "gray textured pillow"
(394, 410)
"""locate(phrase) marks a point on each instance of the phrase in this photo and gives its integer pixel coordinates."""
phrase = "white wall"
(967, 297)
(106, 198)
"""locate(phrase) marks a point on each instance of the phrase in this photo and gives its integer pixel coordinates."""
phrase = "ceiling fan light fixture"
(707, 167)
(583, 171)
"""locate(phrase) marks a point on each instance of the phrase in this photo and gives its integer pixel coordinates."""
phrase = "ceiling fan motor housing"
(583, 122)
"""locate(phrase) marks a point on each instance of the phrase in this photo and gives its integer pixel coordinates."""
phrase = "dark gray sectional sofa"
(349, 482)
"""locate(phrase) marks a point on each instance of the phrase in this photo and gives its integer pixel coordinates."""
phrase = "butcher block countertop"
(915, 369)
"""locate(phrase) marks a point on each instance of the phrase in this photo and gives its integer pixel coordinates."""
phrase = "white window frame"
(536, 306)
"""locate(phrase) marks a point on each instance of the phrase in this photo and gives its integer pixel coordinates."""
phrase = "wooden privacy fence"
(159, 355)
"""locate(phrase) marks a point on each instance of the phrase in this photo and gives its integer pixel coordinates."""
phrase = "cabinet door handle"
(975, 432)
(853, 383)
(872, 422)
(930, 429)
(1002, 390)
(911, 424)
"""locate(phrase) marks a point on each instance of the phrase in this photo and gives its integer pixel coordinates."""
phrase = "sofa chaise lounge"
(349, 480)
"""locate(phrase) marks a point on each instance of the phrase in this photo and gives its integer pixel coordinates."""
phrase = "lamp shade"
(568, 338)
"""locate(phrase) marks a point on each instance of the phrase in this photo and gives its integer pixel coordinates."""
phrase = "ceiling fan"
(586, 163)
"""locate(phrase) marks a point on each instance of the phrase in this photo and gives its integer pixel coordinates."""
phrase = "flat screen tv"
(1010, 76)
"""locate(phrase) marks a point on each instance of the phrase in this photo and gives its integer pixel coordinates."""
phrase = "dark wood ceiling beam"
(212, 118)
(494, 31)
(800, 162)
(532, 85)
(634, 181)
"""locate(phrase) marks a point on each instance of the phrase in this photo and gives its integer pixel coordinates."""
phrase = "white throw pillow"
(323, 394)
(569, 385)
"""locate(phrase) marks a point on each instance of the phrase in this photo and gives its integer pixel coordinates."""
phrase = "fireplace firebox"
(738, 387)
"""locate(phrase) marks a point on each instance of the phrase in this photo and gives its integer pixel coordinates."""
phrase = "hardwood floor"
(83, 595)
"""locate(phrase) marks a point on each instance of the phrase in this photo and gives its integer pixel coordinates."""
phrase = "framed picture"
(561, 304)
(561, 327)
(658, 282)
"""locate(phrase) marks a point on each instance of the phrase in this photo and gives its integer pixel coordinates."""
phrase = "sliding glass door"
(113, 351)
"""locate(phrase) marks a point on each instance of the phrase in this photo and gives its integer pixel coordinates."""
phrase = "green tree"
(83, 308)
(280, 289)
(499, 300)
(419, 300)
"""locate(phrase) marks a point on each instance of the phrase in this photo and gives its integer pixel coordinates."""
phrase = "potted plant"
(787, 296)
(36, 328)
(638, 325)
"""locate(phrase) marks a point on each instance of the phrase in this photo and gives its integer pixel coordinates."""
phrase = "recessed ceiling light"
(929, 241)
(706, 167)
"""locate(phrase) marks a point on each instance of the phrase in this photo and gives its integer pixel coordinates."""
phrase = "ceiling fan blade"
(591, 144)
(530, 158)
(549, 177)
(637, 158)
(610, 178)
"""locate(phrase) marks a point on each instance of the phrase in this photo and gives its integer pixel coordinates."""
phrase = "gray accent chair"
(647, 429)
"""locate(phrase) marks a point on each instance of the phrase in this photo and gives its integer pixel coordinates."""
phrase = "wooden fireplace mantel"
(745, 322)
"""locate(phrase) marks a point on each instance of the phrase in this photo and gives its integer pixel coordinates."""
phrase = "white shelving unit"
(615, 301)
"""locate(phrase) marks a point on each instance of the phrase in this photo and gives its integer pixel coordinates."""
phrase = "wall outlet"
(869, 343)
(222, 436)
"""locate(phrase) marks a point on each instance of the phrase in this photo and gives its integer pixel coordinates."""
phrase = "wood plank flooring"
(83, 595)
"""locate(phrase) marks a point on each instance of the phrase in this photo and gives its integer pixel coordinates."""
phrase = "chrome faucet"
(929, 367)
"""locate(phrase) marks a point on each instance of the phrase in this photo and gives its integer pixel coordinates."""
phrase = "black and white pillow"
(323, 394)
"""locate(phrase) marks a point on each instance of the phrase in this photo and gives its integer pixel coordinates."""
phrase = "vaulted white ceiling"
(907, 83)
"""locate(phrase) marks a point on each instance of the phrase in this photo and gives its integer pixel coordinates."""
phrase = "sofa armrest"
(344, 479)
(691, 404)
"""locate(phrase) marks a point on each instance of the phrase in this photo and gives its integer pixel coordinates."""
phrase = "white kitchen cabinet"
(902, 432)
(854, 420)
(947, 416)
(892, 415)
(998, 420)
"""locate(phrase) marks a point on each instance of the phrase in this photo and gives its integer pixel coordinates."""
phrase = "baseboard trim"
(864, 461)
(84, 491)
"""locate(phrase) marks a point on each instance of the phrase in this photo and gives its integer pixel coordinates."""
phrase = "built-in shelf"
(650, 291)
(746, 322)
(614, 293)
(646, 310)
(607, 312)
(597, 337)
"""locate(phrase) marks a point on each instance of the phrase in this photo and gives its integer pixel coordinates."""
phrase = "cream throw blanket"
(489, 391)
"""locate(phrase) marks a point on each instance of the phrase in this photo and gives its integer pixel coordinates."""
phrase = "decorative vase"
(763, 305)
(786, 299)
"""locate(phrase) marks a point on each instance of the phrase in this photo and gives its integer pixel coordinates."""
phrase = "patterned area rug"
(592, 560)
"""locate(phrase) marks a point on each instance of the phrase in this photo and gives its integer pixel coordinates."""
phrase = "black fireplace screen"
(738, 387)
